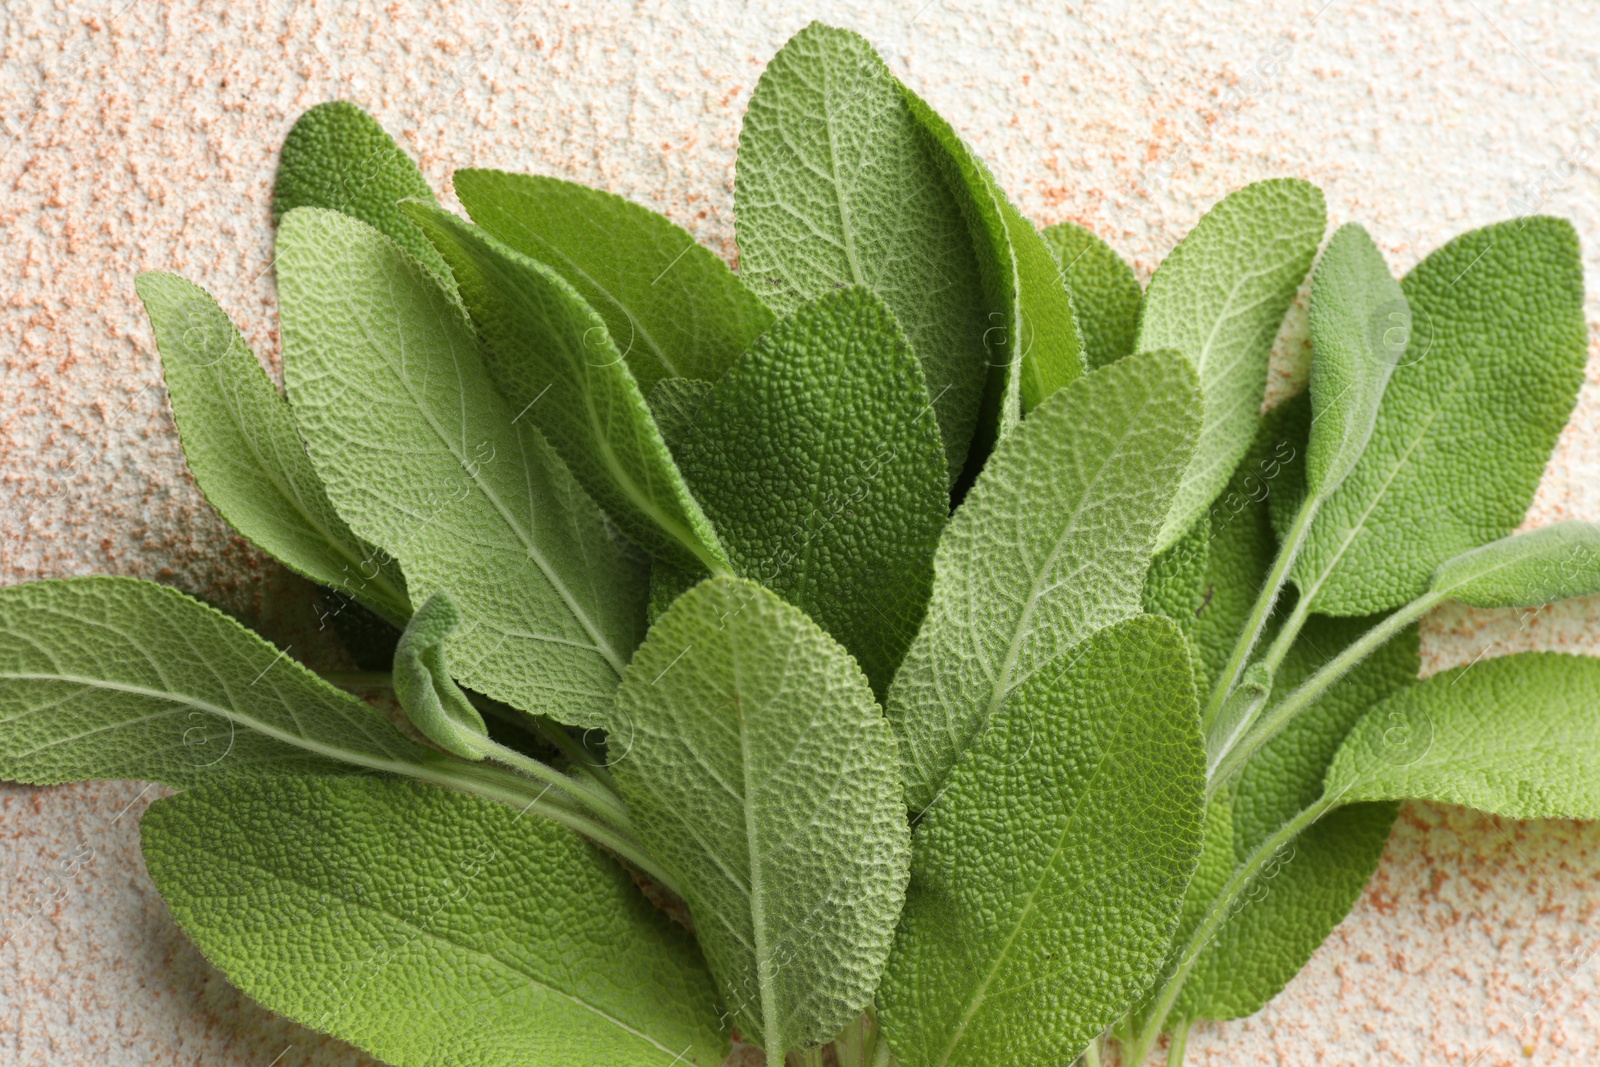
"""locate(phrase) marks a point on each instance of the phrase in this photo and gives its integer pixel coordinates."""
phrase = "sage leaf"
(555, 361)
(1051, 544)
(758, 769)
(675, 405)
(428, 927)
(240, 440)
(1360, 324)
(1049, 875)
(424, 459)
(1175, 585)
(337, 157)
(1105, 292)
(671, 305)
(1493, 366)
(835, 185)
(1033, 340)
(817, 457)
(1466, 736)
(1525, 570)
(106, 678)
(1219, 298)
(433, 702)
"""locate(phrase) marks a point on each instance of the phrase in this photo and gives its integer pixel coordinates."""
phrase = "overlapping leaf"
(1105, 292)
(1525, 570)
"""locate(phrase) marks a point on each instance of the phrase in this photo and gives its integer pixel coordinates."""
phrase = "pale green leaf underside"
(836, 186)
(673, 307)
(1517, 736)
(1052, 543)
(1359, 327)
(1526, 570)
(240, 440)
(1219, 298)
(424, 459)
(759, 771)
(554, 360)
(1048, 876)
(428, 927)
(1492, 370)
(106, 678)
(1105, 291)
(817, 457)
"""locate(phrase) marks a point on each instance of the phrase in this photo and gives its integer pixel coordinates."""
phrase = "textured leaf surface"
(117, 678)
(424, 459)
(1492, 370)
(1175, 585)
(1219, 298)
(759, 771)
(1036, 349)
(675, 404)
(433, 703)
(1105, 291)
(1526, 570)
(559, 367)
(672, 306)
(818, 459)
(1516, 736)
(240, 441)
(428, 927)
(836, 186)
(337, 157)
(1047, 878)
(1051, 544)
(1360, 324)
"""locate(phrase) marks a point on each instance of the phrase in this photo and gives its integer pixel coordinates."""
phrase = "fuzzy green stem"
(600, 802)
(576, 754)
(1180, 1044)
(1091, 1055)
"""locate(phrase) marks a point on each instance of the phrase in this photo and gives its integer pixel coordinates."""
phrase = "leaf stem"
(1260, 612)
(576, 754)
(1091, 1055)
(1180, 1044)
(600, 802)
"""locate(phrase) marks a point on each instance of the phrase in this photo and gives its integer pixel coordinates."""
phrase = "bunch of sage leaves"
(918, 643)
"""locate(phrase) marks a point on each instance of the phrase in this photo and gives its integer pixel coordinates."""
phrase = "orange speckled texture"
(144, 134)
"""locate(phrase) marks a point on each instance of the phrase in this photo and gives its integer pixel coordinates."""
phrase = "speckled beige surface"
(144, 134)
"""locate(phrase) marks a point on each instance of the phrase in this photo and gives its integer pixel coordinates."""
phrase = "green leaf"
(1034, 346)
(1360, 324)
(1492, 370)
(240, 440)
(1526, 570)
(1219, 298)
(672, 305)
(1051, 544)
(428, 927)
(757, 768)
(557, 364)
(1175, 585)
(818, 459)
(1048, 877)
(104, 678)
(337, 157)
(675, 404)
(433, 702)
(423, 458)
(836, 186)
(1105, 291)
(1513, 736)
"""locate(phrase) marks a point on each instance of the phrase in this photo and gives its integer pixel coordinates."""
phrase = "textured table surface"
(143, 134)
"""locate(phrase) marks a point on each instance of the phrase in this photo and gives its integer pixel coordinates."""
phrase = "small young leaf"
(836, 186)
(1105, 292)
(759, 771)
(118, 678)
(1051, 544)
(1513, 736)
(240, 440)
(675, 404)
(337, 157)
(557, 364)
(1360, 324)
(1526, 570)
(673, 307)
(423, 458)
(1220, 298)
(1495, 359)
(1034, 345)
(428, 927)
(432, 701)
(817, 457)
(1048, 876)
